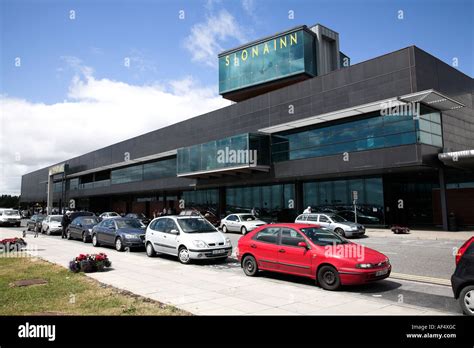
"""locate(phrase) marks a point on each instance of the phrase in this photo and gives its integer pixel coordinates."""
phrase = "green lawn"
(66, 293)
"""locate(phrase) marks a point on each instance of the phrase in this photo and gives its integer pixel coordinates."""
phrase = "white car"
(108, 215)
(188, 237)
(51, 224)
(10, 217)
(242, 223)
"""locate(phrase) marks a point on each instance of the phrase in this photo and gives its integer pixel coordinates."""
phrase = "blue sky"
(73, 93)
(104, 33)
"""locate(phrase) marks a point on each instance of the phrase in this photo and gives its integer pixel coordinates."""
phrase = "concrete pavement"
(215, 290)
(421, 234)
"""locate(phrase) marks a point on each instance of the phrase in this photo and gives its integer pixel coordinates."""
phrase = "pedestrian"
(307, 210)
(65, 221)
(163, 213)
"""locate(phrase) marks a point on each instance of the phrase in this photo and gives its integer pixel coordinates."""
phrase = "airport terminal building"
(393, 134)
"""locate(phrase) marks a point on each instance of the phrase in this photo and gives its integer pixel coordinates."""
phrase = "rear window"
(89, 221)
(55, 218)
(267, 235)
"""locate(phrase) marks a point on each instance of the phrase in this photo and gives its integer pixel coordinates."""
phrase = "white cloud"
(248, 6)
(206, 38)
(98, 112)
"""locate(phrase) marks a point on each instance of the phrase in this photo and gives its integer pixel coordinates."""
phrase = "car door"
(73, 227)
(324, 221)
(156, 236)
(291, 257)
(110, 232)
(264, 246)
(168, 240)
(103, 230)
(233, 221)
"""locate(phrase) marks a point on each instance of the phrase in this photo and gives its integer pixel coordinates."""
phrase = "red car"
(313, 252)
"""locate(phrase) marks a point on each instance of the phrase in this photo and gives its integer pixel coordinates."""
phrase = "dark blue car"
(119, 232)
(81, 228)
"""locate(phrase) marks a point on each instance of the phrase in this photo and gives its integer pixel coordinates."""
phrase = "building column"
(49, 199)
(443, 199)
(299, 197)
(222, 202)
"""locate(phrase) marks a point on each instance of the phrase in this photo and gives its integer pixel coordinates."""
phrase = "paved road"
(429, 258)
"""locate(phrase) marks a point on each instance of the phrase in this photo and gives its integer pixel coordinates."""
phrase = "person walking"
(65, 221)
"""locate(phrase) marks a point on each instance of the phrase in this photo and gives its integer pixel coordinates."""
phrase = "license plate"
(382, 272)
(220, 251)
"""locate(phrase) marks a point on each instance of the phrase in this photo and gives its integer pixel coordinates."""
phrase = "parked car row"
(313, 247)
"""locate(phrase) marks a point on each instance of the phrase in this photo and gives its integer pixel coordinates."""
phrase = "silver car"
(242, 223)
(333, 222)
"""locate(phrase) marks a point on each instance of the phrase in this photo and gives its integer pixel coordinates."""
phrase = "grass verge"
(67, 293)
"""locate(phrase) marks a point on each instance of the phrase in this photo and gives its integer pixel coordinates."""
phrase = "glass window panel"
(424, 138)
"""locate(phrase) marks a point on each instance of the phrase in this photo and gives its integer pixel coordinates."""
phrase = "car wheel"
(68, 234)
(95, 241)
(118, 244)
(224, 228)
(183, 255)
(84, 237)
(328, 278)
(249, 264)
(466, 300)
(340, 232)
(243, 230)
(150, 251)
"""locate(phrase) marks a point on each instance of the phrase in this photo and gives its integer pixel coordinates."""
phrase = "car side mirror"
(302, 244)
(80, 225)
(174, 231)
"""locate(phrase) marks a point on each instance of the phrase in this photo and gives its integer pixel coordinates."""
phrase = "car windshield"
(40, 217)
(322, 237)
(248, 217)
(11, 212)
(89, 221)
(198, 225)
(337, 218)
(55, 218)
(129, 223)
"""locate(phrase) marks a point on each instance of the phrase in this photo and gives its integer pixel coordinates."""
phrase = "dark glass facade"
(336, 196)
(205, 199)
(375, 131)
(272, 202)
(147, 171)
(242, 149)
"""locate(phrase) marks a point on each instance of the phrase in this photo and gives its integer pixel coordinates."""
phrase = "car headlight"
(227, 241)
(200, 244)
(354, 228)
(364, 265)
(130, 236)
